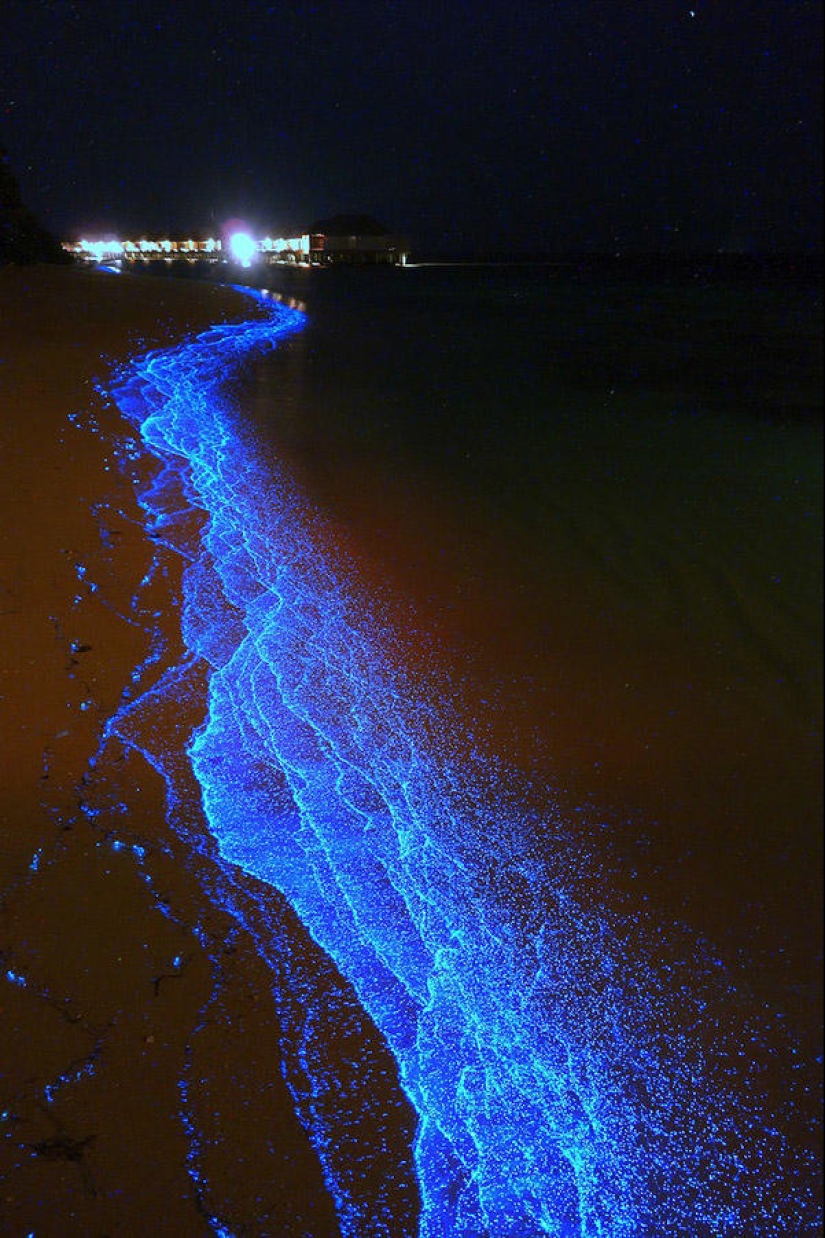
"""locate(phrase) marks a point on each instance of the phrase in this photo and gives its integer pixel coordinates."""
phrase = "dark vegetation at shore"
(23, 239)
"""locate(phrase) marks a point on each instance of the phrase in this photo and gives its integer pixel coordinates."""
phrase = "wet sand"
(623, 651)
(124, 974)
(121, 976)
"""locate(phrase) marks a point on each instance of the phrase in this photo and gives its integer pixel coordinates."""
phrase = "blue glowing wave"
(564, 1086)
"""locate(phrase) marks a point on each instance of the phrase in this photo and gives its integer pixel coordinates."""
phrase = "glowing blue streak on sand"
(563, 1086)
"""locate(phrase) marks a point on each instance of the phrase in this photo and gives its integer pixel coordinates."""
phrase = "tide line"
(565, 1081)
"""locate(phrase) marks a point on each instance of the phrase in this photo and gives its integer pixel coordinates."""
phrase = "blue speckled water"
(583, 1055)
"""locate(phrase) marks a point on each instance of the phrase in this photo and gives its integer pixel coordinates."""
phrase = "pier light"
(243, 248)
(98, 251)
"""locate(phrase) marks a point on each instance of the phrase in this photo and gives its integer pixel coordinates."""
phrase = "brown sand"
(99, 1023)
(57, 329)
(103, 1008)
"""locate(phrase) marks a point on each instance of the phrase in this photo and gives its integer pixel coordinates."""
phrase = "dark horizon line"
(608, 254)
(435, 253)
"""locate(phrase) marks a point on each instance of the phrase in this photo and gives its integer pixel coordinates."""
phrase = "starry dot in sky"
(549, 127)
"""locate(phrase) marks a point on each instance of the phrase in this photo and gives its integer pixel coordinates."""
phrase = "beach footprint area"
(284, 952)
(122, 978)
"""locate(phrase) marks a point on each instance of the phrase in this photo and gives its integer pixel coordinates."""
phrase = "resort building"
(355, 240)
(344, 239)
(237, 248)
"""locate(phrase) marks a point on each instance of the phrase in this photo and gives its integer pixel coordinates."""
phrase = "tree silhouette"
(23, 239)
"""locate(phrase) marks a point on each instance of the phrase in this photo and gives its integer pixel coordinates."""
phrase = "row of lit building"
(239, 247)
(315, 248)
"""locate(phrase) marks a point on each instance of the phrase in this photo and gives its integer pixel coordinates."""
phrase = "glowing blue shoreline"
(561, 1084)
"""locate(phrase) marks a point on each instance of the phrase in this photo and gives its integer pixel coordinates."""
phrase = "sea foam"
(570, 1069)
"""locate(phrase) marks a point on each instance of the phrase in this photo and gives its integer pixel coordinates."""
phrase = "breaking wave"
(574, 1071)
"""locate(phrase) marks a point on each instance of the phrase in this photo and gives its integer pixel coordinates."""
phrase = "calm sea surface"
(603, 502)
(511, 590)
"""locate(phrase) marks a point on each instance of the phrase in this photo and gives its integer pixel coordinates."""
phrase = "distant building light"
(240, 246)
(96, 251)
(243, 248)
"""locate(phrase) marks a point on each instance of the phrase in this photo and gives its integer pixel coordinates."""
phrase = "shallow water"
(509, 597)
(605, 505)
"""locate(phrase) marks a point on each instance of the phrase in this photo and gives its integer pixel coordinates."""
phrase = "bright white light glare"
(98, 251)
(242, 247)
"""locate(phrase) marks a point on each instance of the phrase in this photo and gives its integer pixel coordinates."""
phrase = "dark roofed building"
(354, 240)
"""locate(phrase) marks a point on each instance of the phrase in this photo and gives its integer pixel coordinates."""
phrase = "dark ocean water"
(603, 499)
(509, 606)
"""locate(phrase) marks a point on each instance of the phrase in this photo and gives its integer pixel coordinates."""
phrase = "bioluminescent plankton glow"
(573, 1073)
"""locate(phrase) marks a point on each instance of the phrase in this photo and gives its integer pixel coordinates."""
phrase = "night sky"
(507, 126)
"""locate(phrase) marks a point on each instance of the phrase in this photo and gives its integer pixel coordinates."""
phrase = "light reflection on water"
(566, 1059)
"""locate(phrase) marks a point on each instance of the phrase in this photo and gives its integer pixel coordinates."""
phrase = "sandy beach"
(120, 977)
(178, 1056)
